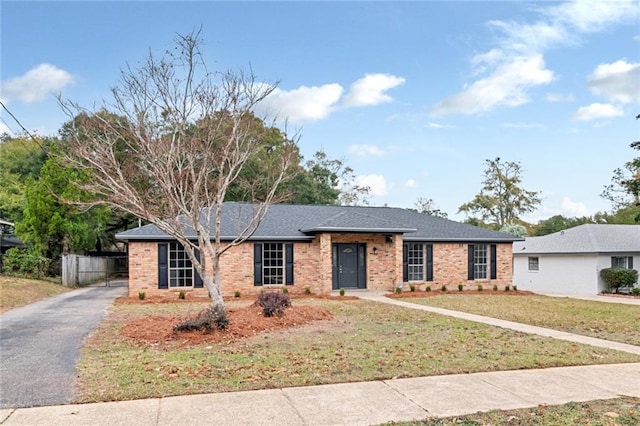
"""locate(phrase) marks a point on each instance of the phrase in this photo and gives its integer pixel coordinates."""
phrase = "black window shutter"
(197, 282)
(163, 264)
(405, 263)
(630, 262)
(429, 262)
(288, 255)
(494, 263)
(470, 263)
(257, 264)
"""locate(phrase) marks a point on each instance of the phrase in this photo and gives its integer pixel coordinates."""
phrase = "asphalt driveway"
(40, 345)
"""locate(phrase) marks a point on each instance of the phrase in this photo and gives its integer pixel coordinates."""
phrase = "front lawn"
(15, 292)
(363, 341)
(609, 321)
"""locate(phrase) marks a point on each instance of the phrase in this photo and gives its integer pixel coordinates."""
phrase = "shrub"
(427, 288)
(236, 294)
(460, 287)
(25, 261)
(636, 291)
(342, 292)
(515, 288)
(273, 303)
(285, 290)
(495, 287)
(479, 287)
(181, 295)
(615, 278)
(507, 288)
(443, 288)
(399, 289)
(412, 288)
(141, 295)
(207, 320)
(307, 290)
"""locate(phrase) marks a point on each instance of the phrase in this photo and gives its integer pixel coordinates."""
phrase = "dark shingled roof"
(301, 222)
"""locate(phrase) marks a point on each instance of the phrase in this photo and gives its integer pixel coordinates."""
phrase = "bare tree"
(170, 145)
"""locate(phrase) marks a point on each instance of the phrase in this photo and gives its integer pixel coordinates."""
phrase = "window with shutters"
(416, 261)
(180, 267)
(480, 262)
(272, 263)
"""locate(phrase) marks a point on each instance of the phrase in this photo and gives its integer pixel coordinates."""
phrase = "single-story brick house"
(570, 261)
(325, 248)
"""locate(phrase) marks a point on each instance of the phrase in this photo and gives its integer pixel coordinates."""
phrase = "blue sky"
(414, 96)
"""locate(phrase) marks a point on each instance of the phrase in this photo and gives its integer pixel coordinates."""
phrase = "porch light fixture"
(375, 250)
(388, 239)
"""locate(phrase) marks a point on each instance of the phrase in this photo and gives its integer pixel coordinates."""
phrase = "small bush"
(307, 290)
(427, 288)
(141, 295)
(26, 261)
(273, 303)
(636, 291)
(236, 294)
(398, 289)
(443, 288)
(615, 278)
(515, 288)
(460, 287)
(479, 287)
(412, 288)
(342, 292)
(495, 287)
(206, 320)
(181, 295)
(285, 290)
(507, 288)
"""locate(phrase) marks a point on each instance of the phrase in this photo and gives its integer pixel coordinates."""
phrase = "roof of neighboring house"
(588, 238)
(301, 222)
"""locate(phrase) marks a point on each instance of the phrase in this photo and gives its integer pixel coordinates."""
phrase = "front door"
(349, 266)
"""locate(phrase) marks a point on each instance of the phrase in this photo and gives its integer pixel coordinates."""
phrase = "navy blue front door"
(349, 266)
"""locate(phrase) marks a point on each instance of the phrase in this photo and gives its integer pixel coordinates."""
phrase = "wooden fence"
(78, 270)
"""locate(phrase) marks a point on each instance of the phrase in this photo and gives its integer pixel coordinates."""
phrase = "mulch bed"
(406, 295)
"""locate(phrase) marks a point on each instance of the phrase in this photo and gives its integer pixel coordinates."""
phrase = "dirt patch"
(153, 300)
(407, 295)
(243, 322)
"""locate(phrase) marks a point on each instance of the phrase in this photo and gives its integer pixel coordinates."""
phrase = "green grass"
(16, 292)
(610, 321)
(364, 341)
(608, 412)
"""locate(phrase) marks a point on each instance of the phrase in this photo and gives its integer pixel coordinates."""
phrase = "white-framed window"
(273, 263)
(625, 262)
(480, 261)
(534, 263)
(415, 261)
(180, 267)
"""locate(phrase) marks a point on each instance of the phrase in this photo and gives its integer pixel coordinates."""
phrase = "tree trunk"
(213, 284)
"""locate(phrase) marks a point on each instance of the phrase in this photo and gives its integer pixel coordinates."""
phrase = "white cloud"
(596, 111)
(619, 81)
(506, 86)
(36, 84)
(366, 150)
(593, 16)
(572, 208)
(559, 97)
(304, 103)
(377, 183)
(371, 90)
(432, 125)
(410, 184)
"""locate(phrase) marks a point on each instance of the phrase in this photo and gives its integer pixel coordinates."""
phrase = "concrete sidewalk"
(365, 403)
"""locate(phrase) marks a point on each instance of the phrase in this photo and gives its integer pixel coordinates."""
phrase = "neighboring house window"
(482, 262)
(273, 263)
(533, 263)
(180, 267)
(417, 262)
(625, 262)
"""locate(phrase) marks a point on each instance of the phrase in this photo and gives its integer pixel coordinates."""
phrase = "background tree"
(428, 206)
(502, 200)
(186, 137)
(515, 230)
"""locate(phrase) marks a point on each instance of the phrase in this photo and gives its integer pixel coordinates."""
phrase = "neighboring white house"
(570, 261)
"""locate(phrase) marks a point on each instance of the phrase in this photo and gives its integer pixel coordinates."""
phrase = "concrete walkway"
(364, 403)
(525, 328)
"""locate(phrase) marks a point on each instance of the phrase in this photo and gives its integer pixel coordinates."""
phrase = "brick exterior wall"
(313, 266)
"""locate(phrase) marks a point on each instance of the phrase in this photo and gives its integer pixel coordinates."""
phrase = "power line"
(22, 127)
